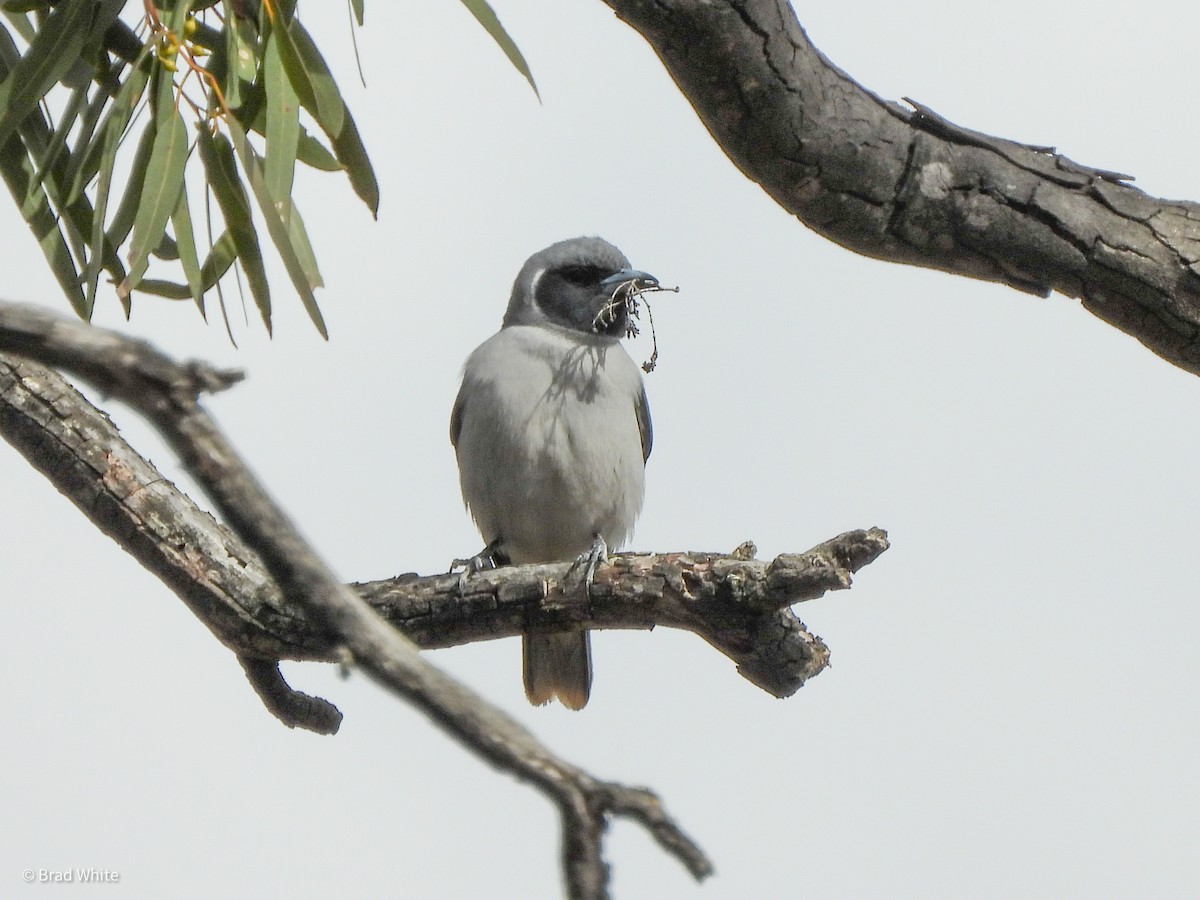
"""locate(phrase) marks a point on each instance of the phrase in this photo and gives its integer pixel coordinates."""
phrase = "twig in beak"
(626, 296)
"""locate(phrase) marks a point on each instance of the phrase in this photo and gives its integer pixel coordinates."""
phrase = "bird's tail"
(557, 664)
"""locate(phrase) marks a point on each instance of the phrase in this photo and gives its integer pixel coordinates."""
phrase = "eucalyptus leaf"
(314, 154)
(310, 76)
(169, 290)
(352, 154)
(282, 127)
(17, 172)
(304, 278)
(55, 49)
(486, 16)
(318, 94)
(84, 136)
(103, 147)
(220, 257)
(24, 6)
(58, 140)
(185, 243)
(221, 168)
(162, 184)
(122, 220)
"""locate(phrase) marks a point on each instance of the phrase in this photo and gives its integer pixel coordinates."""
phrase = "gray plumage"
(552, 430)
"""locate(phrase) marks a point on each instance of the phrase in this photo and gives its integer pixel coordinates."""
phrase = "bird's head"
(584, 284)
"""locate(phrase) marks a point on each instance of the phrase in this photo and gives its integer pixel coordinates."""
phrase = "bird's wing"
(645, 426)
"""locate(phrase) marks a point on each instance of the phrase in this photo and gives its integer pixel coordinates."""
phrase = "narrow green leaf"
(167, 249)
(310, 77)
(23, 26)
(58, 140)
(283, 127)
(36, 136)
(241, 39)
(9, 54)
(486, 17)
(352, 154)
(185, 241)
(76, 216)
(106, 12)
(221, 168)
(309, 150)
(313, 153)
(162, 184)
(318, 93)
(357, 6)
(43, 192)
(169, 290)
(298, 235)
(54, 50)
(279, 230)
(220, 45)
(83, 139)
(122, 220)
(88, 162)
(220, 257)
(91, 274)
(93, 58)
(17, 172)
(24, 6)
(108, 142)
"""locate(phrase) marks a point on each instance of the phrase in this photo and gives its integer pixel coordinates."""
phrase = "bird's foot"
(487, 558)
(588, 561)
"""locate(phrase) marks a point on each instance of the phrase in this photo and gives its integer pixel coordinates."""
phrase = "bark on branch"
(739, 605)
(902, 184)
(267, 597)
(64, 436)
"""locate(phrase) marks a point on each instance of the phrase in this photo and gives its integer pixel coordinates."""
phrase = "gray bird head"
(584, 284)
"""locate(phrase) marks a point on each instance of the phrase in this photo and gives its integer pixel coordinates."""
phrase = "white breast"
(549, 449)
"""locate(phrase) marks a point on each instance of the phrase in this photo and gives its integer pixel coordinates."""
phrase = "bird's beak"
(639, 280)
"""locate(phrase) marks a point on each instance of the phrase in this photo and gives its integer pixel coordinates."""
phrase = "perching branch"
(738, 604)
(36, 415)
(291, 608)
(902, 184)
(741, 606)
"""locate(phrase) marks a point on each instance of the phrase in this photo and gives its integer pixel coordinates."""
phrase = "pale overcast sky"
(1012, 708)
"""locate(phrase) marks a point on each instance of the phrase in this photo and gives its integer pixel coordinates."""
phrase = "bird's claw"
(589, 560)
(473, 565)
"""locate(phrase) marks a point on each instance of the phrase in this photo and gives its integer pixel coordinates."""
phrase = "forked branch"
(264, 593)
(64, 436)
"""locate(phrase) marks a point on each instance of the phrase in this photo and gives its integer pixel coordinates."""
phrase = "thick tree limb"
(166, 393)
(907, 186)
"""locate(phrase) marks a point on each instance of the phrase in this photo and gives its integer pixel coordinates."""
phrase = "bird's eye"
(581, 275)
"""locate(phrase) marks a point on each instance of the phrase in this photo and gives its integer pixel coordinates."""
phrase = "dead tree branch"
(37, 415)
(739, 605)
(900, 183)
